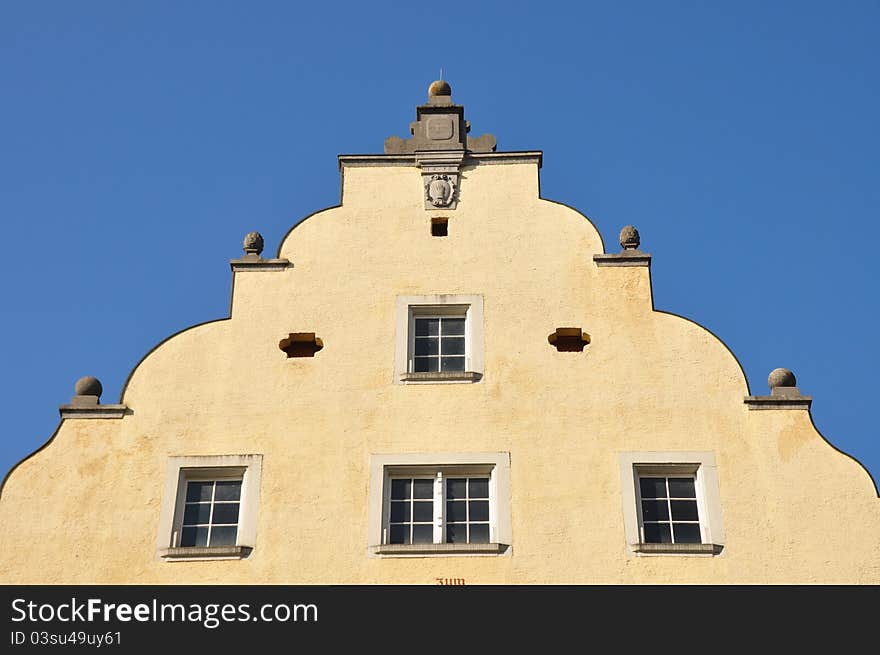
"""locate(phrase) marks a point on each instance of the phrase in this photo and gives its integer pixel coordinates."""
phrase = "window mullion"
(439, 509)
(211, 511)
(412, 508)
(467, 509)
(440, 343)
(669, 509)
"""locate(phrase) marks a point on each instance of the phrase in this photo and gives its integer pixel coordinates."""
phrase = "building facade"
(445, 377)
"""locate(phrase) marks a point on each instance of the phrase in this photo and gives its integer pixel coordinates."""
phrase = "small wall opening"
(439, 227)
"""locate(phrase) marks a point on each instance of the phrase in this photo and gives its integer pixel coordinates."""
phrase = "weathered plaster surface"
(86, 508)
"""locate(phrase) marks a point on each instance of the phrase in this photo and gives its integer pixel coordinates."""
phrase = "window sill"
(442, 376)
(678, 549)
(440, 549)
(204, 553)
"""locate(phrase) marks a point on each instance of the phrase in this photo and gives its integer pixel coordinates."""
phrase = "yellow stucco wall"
(86, 508)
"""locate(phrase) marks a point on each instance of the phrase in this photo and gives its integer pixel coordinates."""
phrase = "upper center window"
(439, 339)
(439, 344)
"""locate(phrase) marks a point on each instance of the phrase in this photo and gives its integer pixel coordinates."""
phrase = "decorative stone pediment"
(439, 142)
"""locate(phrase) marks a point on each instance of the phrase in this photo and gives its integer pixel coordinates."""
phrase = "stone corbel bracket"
(780, 398)
(301, 344)
(253, 262)
(89, 407)
(569, 339)
(626, 258)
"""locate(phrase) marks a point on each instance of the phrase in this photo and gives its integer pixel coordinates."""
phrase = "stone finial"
(629, 238)
(439, 88)
(781, 377)
(440, 134)
(784, 393)
(253, 243)
(86, 403)
(88, 386)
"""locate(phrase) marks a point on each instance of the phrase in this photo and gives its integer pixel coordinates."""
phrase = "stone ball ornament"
(781, 377)
(629, 238)
(88, 386)
(253, 243)
(439, 88)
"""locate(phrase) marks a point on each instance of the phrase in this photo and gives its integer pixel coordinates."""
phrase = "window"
(440, 504)
(669, 509)
(671, 503)
(209, 507)
(438, 343)
(460, 505)
(210, 513)
(439, 339)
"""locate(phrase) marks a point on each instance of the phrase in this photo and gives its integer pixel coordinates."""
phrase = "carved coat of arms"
(439, 190)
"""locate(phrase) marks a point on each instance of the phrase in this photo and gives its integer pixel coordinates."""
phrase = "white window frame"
(698, 464)
(408, 308)
(182, 469)
(439, 466)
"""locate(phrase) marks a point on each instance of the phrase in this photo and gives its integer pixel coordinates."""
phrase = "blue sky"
(141, 141)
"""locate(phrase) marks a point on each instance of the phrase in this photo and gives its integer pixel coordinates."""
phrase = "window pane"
(423, 510)
(399, 512)
(657, 533)
(194, 537)
(223, 536)
(398, 534)
(194, 513)
(427, 327)
(225, 513)
(687, 533)
(655, 510)
(425, 364)
(684, 510)
(480, 533)
(423, 534)
(479, 510)
(479, 487)
(453, 326)
(228, 490)
(652, 487)
(681, 488)
(452, 346)
(452, 363)
(456, 534)
(456, 510)
(456, 488)
(424, 346)
(400, 489)
(423, 488)
(196, 491)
